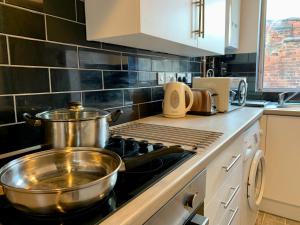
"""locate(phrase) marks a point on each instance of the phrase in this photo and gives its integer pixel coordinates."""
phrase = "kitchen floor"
(269, 219)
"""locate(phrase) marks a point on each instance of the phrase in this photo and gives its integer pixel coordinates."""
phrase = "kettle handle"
(191, 97)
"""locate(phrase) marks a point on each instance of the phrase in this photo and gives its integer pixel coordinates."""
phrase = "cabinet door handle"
(200, 30)
(235, 159)
(236, 189)
(233, 215)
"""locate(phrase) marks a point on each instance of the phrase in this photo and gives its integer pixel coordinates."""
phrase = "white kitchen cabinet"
(224, 184)
(165, 26)
(233, 8)
(282, 189)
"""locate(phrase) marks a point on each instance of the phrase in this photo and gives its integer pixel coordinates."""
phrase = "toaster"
(204, 102)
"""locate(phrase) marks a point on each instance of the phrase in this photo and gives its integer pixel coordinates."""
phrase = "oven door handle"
(198, 220)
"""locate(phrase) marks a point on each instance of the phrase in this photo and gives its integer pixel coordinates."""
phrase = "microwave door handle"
(198, 220)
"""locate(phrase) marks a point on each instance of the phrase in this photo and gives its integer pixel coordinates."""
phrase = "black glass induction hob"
(129, 184)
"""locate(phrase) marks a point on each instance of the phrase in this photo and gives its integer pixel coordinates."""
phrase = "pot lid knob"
(76, 106)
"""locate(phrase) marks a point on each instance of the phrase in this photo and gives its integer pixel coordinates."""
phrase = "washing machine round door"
(256, 180)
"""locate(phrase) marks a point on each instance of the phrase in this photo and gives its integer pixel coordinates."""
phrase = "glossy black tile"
(243, 67)
(150, 109)
(75, 80)
(130, 113)
(119, 79)
(19, 136)
(103, 99)
(80, 11)
(134, 62)
(20, 22)
(135, 96)
(61, 30)
(161, 64)
(119, 48)
(38, 103)
(194, 67)
(179, 66)
(3, 50)
(99, 59)
(65, 8)
(147, 79)
(40, 53)
(157, 93)
(37, 5)
(17, 80)
(7, 114)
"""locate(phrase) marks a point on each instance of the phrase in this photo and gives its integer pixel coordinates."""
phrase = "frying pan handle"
(133, 162)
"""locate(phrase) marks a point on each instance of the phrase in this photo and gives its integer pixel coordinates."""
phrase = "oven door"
(186, 207)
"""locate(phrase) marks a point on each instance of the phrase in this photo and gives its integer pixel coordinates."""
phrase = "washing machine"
(253, 176)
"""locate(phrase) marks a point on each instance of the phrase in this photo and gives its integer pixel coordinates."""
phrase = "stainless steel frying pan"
(59, 181)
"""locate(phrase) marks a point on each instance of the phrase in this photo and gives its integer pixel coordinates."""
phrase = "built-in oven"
(186, 207)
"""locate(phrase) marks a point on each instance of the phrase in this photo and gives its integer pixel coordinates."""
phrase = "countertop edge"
(133, 215)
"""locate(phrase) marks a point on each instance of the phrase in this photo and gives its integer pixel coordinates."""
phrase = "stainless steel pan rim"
(61, 151)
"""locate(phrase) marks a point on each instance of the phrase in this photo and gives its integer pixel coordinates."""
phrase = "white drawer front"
(223, 166)
(232, 214)
(228, 193)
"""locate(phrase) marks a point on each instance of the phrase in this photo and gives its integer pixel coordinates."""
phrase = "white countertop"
(140, 209)
(292, 110)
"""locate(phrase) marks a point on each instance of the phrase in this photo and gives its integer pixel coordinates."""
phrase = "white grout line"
(17, 152)
(76, 16)
(46, 29)
(15, 109)
(102, 77)
(78, 91)
(40, 13)
(8, 51)
(10, 124)
(49, 78)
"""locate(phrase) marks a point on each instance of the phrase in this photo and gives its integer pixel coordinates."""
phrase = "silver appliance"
(186, 207)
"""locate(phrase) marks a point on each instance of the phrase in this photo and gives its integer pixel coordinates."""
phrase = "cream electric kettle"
(174, 105)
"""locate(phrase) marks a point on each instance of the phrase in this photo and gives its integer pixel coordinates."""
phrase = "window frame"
(261, 53)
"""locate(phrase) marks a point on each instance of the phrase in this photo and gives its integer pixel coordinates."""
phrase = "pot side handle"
(133, 162)
(31, 120)
(116, 114)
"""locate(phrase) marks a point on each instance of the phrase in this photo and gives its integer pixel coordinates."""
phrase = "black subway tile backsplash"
(3, 50)
(18, 80)
(157, 93)
(120, 79)
(150, 109)
(147, 79)
(38, 103)
(135, 96)
(65, 8)
(134, 62)
(7, 114)
(75, 80)
(80, 11)
(46, 62)
(103, 99)
(130, 113)
(19, 136)
(40, 53)
(99, 59)
(20, 22)
(61, 30)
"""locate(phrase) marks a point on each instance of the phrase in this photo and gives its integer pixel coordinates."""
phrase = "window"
(279, 46)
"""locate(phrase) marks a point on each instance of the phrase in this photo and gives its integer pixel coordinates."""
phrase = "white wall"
(249, 26)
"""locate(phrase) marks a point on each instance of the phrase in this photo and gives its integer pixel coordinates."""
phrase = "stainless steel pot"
(59, 181)
(75, 126)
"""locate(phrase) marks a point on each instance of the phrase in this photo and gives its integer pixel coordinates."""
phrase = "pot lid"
(75, 112)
